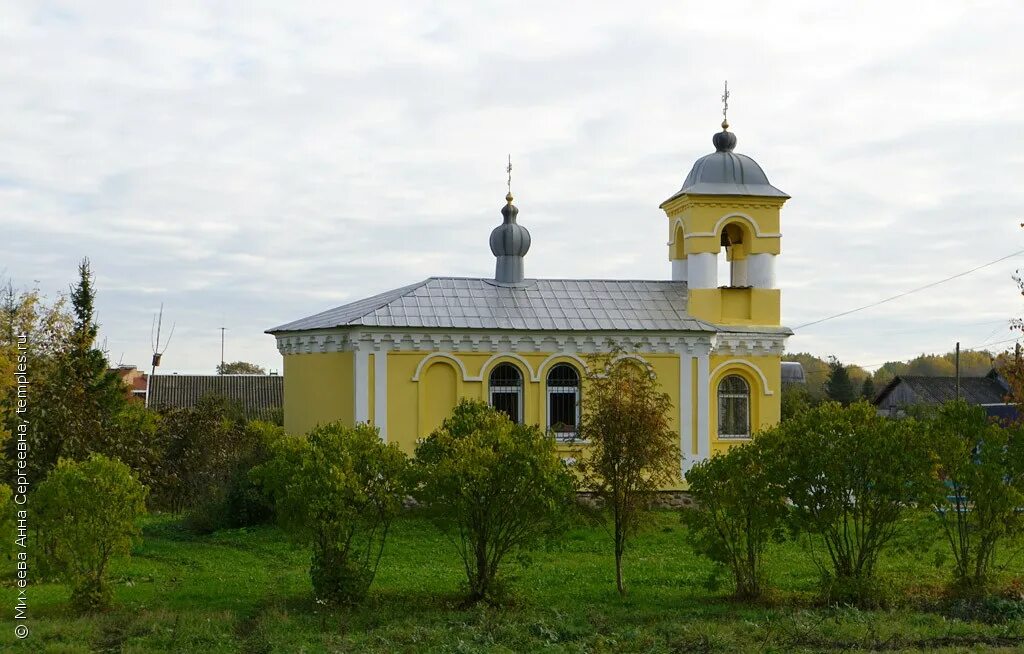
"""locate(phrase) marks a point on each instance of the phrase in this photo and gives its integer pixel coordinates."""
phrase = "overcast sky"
(249, 164)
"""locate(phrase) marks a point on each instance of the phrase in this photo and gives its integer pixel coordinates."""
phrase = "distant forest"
(972, 364)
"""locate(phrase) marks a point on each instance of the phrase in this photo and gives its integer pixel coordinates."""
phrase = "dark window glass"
(563, 400)
(507, 390)
(733, 408)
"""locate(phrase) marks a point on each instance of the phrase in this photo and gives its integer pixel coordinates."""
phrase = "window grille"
(506, 384)
(563, 401)
(733, 408)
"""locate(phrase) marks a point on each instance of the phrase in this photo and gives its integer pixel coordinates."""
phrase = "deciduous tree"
(630, 449)
(240, 368)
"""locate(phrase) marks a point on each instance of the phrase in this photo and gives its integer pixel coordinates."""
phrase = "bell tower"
(726, 206)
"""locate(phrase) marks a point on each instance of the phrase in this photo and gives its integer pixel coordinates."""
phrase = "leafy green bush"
(493, 487)
(852, 477)
(339, 488)
(7, 515)
(980, 490)
(87, 512)
(740, 508)
(232, 499)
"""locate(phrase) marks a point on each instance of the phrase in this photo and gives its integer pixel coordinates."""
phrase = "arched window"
(733, 408)
(563, 401)
(507, 390)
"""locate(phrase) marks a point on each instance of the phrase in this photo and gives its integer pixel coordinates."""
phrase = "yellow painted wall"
(317, 390)
(736, 306)
(765, 410)
(704, 217)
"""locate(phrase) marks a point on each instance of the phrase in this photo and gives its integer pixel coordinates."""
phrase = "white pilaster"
(738, 272)
(761, 270)
(679, 270)
(686, 451)
(361, 385)
(704, 400)
(702, 270)
(380, 392)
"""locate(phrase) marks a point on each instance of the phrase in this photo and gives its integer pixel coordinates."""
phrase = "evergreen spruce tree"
(867, 391)
(839, 386)
(75, 407)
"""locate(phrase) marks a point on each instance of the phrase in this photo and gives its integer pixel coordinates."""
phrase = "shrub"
(852, 478)
(232, 499)
(201, 448)
(980, 489)
(740, 508)
(87, 513)
(492, 486)
(632, 450)
(7, 515)
(339, 488)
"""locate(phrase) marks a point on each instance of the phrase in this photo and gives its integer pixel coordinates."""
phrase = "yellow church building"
(402, 359)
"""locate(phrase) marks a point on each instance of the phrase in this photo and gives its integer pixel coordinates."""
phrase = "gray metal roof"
(537, 304)
(725, 172)
(259, 395)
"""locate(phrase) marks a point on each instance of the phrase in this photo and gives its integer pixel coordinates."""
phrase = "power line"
(906, 293)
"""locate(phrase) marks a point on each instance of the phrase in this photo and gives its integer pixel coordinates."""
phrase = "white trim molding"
(703, 407)
(493, 341)
(750, 344)
(484, 369)
(731, 363)
(442, 355)
(550, 360)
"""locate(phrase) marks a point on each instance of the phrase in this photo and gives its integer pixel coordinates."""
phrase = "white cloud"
(248, 165)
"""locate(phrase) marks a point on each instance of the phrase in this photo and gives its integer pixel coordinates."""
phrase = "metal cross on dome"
(725, 100)
(508, 170)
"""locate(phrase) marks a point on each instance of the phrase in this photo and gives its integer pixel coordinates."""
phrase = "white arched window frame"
(733, 407)
(563, 384)
(506, 390)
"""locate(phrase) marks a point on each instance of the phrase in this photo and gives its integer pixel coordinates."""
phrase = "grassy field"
(248, 591)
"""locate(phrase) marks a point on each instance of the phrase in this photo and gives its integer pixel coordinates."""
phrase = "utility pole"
(222, 348)
(958, 370)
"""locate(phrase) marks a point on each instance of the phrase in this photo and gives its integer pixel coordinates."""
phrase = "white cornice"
(750, 344)
(364, 339)
(493, 342)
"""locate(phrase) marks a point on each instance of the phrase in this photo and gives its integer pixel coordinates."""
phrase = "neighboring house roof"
(937, 390)
(793, 373)
(259, 395)
(538, 304)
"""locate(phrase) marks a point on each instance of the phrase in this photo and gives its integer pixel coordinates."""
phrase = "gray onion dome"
(725, 141)
(510, 242)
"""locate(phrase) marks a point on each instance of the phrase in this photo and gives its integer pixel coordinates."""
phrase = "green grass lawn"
(248, 591)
